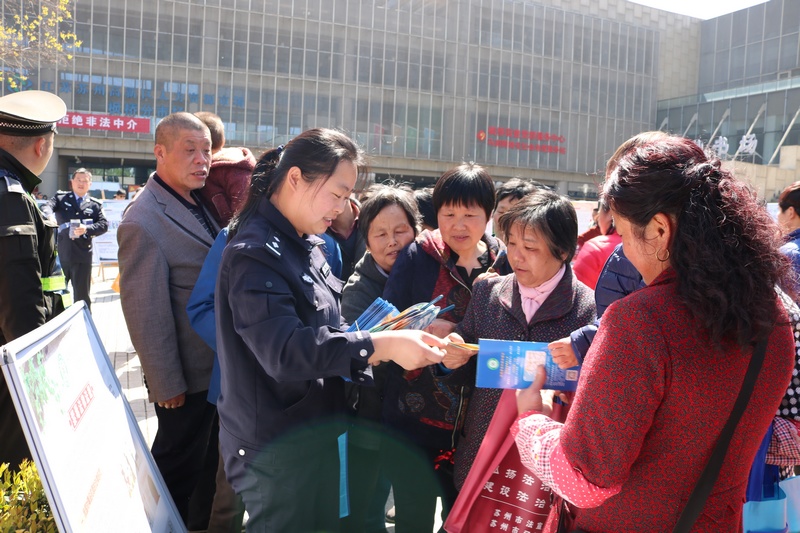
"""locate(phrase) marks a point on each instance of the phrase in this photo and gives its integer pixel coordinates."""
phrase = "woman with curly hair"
(663, 373)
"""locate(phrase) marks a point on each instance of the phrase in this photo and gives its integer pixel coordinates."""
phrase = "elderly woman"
(425, 409)
(388, 222)
(669, 360)
(541, 301)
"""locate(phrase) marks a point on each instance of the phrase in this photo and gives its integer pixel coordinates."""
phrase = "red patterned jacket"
(653, 397)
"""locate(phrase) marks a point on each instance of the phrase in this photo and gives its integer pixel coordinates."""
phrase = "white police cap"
(30, 113)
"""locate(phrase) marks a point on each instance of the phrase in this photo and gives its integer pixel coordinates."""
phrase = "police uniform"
(76, 254)
(282, 358)
(27, 247)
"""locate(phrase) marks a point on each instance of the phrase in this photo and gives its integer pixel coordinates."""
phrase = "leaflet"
(512, 365)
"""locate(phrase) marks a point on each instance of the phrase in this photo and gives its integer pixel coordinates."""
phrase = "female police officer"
(281, 353)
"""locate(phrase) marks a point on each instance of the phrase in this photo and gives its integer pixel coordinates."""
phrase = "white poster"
(583, 209)
(105, 246)
(95, 466)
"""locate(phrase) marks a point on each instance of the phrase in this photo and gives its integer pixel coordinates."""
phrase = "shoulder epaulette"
(14, 185)
(273, 243)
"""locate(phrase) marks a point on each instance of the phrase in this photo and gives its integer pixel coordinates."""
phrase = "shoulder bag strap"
(709, 476)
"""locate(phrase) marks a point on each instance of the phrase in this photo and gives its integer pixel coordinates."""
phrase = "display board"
(95, 465)
(105, 246)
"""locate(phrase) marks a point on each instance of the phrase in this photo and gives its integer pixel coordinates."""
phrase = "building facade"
(545, 90)
(747, 101)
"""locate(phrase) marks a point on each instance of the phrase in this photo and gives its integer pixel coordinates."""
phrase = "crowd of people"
(239, 277)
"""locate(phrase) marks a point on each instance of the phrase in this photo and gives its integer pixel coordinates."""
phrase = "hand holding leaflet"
(513, 365)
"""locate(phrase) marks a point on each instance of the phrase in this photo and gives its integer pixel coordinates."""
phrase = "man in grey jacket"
(163, 240)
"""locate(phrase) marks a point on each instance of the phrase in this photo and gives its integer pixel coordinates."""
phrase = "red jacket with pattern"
(653, 397)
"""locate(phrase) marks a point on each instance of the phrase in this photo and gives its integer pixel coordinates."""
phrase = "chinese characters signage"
(516, 139)
(89, 121)
(721, 147)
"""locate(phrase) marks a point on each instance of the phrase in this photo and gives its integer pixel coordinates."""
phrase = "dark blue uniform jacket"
(282, 354)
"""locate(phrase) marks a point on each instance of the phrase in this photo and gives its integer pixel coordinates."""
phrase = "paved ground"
(107, 316)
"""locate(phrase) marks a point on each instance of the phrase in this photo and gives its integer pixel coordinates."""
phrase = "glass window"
(739, 28)
(164, 49)
(132, 43)
(707, 72)
(753, 61)
(755, 23)
(180, 25)
(791, 16)
(708, 32)
(737, 63)
(788, 59)
(311, 63)
(297, 62)
(769, 62)
(724, 32)
(282, 65)
(179, 48)
(721, 66)
(195, 49)
(225, 53)
(772, 19)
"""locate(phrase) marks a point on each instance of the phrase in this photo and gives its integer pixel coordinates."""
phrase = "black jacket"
(282, 355)
(65, 206)
(27, 252)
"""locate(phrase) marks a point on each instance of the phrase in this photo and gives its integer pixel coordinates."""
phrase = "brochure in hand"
(383, 316)
(512, 365)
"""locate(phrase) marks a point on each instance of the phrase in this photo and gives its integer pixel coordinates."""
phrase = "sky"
(702, 9)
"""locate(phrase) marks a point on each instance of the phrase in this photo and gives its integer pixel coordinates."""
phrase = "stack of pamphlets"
(383, 316)
(372, 315)
(512, 365)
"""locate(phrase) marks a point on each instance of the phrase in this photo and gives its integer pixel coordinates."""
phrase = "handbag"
(701, 491)
(773, 506)
(499, 491)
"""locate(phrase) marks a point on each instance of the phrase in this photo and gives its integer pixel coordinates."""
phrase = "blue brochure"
(512, 365)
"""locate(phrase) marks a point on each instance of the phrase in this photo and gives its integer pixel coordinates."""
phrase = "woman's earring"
(666, 257)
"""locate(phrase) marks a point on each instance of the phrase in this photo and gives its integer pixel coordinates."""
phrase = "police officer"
(27, 240)
(75, 243)
(278, 320)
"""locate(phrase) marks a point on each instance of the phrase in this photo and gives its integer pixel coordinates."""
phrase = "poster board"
(583, 209)
(94, 463)
(104, 247)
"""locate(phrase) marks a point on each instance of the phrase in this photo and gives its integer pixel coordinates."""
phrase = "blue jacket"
(618, 279)
(201, 307)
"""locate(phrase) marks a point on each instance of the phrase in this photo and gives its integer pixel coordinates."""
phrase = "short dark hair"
(168, 127)
(121, 192)
(467, 184)
(424, 198)
(549, 214)
(81, 171)
(381, 196)
(790, 197)
(516, 189)
(214, 125)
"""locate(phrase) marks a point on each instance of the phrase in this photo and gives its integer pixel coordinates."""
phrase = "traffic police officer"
(75, 244)
(27, 240)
